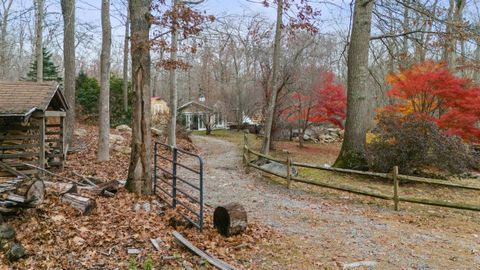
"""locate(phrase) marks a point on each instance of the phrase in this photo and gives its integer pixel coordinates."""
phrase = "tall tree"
(275, 64)
(104, 104)
(172, 137)
(352, 154)
(139, 172)
(68, 13)
(6, 5)
(125, 61)
(39, 5)
(181, 18)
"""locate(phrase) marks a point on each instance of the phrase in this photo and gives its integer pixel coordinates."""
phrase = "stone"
(363, 265)
(278, 168)
(16, 251)
(122, 149)
(7, 232)
(123, 128)
(80, 132)
(116, 139)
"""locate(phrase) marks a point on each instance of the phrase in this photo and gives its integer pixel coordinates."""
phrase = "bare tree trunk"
(406, 23)
(39, 4)
(125, 62)
(275, 64)
(139, 173)
(3, 39)
(454, 22)
(103, 153)
(352, 154)
(476, 71)
(172, 138)
(68, 12)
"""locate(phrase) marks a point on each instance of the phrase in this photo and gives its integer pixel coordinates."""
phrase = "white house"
(195, 116)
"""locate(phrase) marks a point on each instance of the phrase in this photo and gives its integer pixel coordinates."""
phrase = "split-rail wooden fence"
(394, 176)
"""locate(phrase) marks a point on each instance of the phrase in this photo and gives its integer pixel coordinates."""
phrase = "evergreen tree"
(50, 70)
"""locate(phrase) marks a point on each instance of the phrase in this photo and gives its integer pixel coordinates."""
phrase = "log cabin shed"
(32, 126)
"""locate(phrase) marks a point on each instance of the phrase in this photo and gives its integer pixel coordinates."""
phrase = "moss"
(351, 160)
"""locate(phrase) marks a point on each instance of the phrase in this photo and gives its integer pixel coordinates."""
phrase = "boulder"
(123, 128)
(276, 167)
(122, 149)
(16, 252)
(116, 139)
(80, 132)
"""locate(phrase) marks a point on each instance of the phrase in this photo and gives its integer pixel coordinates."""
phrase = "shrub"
(415, 143)
(87, 95)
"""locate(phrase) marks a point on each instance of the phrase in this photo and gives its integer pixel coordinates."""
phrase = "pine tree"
(50, 70)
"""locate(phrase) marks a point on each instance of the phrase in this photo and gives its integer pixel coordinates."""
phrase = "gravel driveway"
(334, 228)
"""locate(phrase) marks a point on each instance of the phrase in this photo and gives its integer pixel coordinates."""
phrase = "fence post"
(289, 170)
(155, 151)
(246, 153)
(395, 187)
(174, 177)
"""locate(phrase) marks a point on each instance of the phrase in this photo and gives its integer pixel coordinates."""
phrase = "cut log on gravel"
(230, 219)
(84, 204)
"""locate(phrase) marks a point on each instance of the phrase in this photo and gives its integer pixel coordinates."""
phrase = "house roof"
(195, 104)
(23, 98)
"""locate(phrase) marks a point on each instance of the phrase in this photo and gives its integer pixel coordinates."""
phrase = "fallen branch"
(84, 178)
(212, 260)
(53, 174)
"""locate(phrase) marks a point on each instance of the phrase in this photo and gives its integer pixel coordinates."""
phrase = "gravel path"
(337, 227)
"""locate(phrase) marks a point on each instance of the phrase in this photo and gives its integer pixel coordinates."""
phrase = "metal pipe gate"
(174, 186)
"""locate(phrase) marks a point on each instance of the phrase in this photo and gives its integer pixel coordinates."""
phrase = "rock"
(306, 137)
(116, 139)
(122, 149)
(7, 232)
(80, 132)
(278, 168)
(133, 251)
(16, 251)
(368, 264)
(123, 128)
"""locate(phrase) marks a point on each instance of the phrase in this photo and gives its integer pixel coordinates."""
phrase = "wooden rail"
(394, 176)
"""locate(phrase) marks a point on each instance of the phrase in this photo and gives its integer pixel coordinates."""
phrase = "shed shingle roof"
(22, 98)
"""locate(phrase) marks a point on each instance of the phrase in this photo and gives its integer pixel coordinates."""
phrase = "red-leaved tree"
(326, 103)
(429, 89)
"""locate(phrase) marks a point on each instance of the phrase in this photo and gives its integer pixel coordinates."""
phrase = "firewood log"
(230, 219)
(84, 204)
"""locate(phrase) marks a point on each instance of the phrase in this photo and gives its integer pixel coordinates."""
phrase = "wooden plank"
(267, 157)
(53, 140)
(19, 155)
(18, 127)
(212, 260)
(19, 146)
(440, 203)
(53, 133)
(395, 187)
(11, 170)
(18, 137)
(53, 125)
(55, 114)
(436, 182)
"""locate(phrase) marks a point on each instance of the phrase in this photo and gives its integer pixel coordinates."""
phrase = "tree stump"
(230, 219)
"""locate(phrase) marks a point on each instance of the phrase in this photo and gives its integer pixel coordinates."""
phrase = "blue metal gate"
(179, 184)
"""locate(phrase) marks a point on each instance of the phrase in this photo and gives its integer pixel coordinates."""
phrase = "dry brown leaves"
(56, 236)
